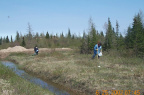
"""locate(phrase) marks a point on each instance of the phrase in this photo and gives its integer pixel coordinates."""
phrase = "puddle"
(34, 80)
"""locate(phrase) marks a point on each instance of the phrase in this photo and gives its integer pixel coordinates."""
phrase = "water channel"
(32, 79)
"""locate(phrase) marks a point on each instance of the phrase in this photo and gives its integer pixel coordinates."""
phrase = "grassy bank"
(11, 84)
(79, 72)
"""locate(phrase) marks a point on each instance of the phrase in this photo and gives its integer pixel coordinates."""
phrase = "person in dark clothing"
(36, 50)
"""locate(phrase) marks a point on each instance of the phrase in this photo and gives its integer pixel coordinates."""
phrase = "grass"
(79, 72)
(11, 84)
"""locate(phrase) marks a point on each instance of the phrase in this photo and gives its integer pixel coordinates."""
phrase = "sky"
(57, 16)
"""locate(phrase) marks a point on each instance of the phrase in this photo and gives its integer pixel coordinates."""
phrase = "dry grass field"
(80, 73)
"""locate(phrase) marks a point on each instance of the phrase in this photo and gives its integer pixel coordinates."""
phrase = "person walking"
(97, 50)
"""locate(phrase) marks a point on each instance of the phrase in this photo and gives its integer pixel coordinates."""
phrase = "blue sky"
(56, 16)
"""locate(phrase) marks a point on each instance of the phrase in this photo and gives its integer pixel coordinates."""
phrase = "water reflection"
(34, 80)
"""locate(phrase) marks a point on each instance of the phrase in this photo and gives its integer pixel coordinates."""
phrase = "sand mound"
(14, 49)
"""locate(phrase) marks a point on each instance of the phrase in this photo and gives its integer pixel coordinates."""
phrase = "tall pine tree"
(109, 36)
(7, 39)
(93, 35)
(11, 39)
(17, 36)
(69, 33)
(129, 39)
(47, 35)
(135, 36)
(138, 34)
(117, 35)
(89, 41)
(23, 42)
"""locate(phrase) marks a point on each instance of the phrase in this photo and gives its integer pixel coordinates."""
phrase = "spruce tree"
(69, 33)
(135, 36)
(83, 47)
(109, 36)
(128, 39)
(89, 41)
(7, 39)
(121, 42)
(117, 35)
(93, 37)
(23, 42)
(47, 35)
(11, 39)
(138, 34)
(17, 36)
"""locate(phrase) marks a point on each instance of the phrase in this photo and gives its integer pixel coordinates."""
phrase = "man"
(97, 50)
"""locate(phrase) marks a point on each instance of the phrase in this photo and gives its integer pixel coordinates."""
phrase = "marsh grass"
(11, 84)
(80, 72)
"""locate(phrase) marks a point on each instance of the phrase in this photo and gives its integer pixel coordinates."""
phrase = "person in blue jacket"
(97, 50)
(36, 50)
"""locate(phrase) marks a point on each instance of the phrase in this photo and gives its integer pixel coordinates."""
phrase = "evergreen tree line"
(5, 40)
(113, 39)
(41, 40)
(133, 40)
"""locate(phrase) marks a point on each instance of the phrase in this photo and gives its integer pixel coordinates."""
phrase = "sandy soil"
(5, 52)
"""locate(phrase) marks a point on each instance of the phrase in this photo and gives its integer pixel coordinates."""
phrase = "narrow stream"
(34, 80)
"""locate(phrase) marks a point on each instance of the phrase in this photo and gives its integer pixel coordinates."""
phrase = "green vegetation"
(113, 40)
(135, 36)
(79, 72)
(11, 84)
(23, 43)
